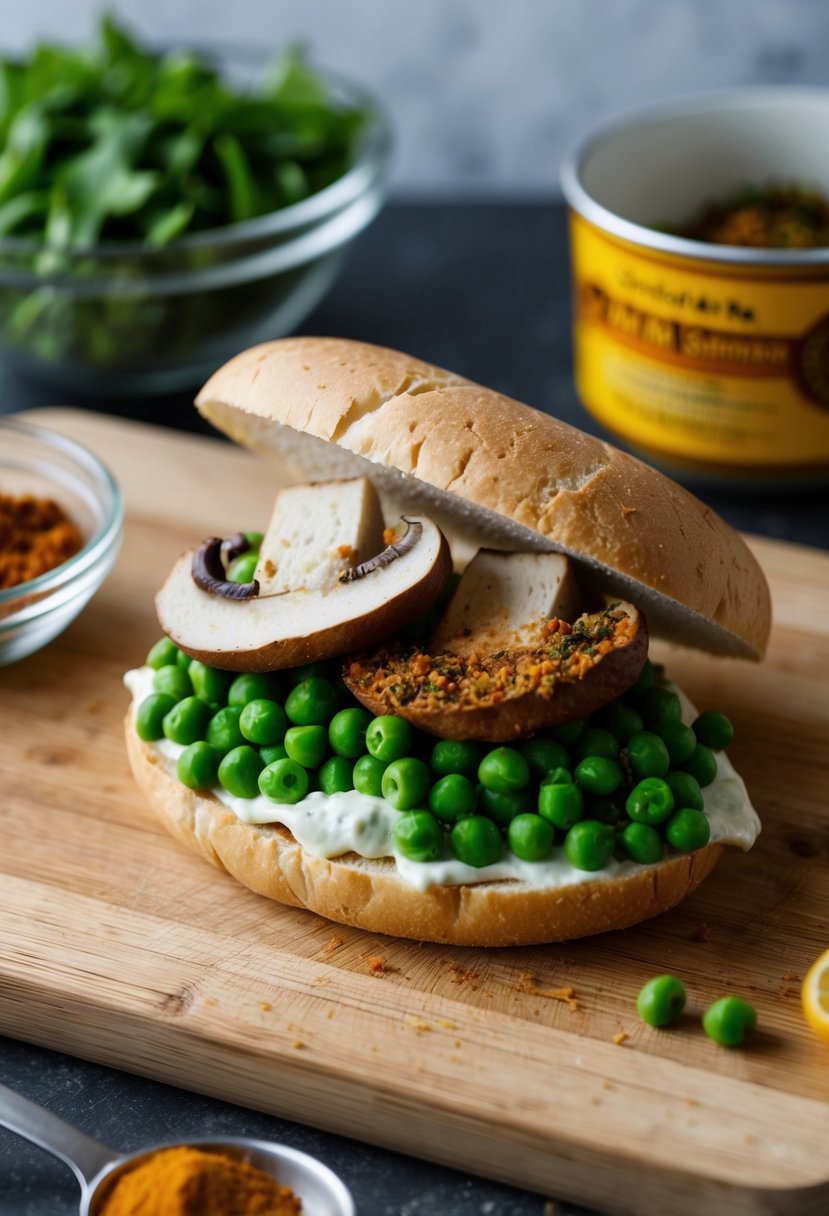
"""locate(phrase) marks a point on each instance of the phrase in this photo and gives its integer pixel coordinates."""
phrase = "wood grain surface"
(120, 946)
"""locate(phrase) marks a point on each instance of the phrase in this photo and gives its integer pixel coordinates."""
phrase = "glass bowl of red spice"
(61, 521)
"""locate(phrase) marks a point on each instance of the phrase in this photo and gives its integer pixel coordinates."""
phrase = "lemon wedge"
(815, 994)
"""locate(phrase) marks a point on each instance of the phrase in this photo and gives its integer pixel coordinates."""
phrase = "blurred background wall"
(486, 95)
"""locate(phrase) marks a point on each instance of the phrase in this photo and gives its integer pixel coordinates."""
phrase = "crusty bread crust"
(478, 461)
(369, 895)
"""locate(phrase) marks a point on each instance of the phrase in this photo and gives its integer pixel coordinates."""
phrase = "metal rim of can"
(748, 97)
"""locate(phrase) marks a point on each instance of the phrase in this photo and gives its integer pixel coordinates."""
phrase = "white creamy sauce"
(329, 825)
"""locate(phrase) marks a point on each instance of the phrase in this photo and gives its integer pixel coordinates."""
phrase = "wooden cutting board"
(120, 946)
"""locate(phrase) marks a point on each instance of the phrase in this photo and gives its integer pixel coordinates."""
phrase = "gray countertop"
(483, 290)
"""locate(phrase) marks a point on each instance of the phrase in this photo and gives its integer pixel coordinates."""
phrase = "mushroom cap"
(286, 630)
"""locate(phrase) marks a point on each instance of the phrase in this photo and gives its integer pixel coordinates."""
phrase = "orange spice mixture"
(564, 654)
(35, 536)
(186, 1181)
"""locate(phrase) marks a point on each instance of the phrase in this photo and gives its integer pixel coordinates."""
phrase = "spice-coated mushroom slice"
(507, 693)
(265, 632)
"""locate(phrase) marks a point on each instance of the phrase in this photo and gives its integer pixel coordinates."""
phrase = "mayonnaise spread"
(330, 825)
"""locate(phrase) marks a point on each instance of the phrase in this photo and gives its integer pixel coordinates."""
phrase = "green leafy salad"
(119, 143)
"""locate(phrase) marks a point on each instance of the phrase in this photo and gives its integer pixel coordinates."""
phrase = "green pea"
(656, 704)
(567, 732)
(243, 568)
(476, 841)
(239, 771)
(253, 685)
(678, 739)
(642, 843)
(558, 776)
(589, 844)
(687, 830)
(313, 702)
(347, 731)
(163, 654)
(418, 836)
(598, 775)
(686, 790)
(223, 731)
(597, 742)
(456, 756)
(530, 837)
(271, 754)
(183, 660)
(198, 766)
(336, 775)
(544, 755)
(651, 801)
(308, 745)
(368, 776)
(701, 764)
(562, 803)
(646, 678)
(647, 755)
(621, 720)
(405, 783)
(503, 807)
(605, 808)
(284, 781)
(209, 683)
(173, 681)
(254, 539)
(504, 769)
(309, 671)
(728, 1020)
(150, 715)
(187, 721)
(263, 722)
(452, 797)
(714, 730)
(661, 1001)
(389, 738)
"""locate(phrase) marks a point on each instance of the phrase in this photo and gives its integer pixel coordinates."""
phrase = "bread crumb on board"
(265, 1006)
(702, 933)
(528, 983)
(378, 966)
(621, 1037)
(464, 975)
(331, 945)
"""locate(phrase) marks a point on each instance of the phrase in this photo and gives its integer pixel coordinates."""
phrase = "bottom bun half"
(368, 894)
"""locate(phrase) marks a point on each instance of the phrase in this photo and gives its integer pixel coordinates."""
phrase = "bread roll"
(499, 474)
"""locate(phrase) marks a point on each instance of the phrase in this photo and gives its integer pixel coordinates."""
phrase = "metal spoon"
(96, 1166)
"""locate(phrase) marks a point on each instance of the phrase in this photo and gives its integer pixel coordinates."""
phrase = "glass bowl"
(128, 319)
(37, 461)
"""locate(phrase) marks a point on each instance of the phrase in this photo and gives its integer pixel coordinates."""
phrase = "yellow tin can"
(710, 358)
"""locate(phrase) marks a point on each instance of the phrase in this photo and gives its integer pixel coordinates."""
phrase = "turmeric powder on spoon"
(184, 1181)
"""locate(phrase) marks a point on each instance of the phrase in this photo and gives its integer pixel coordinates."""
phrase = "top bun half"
(494, 472)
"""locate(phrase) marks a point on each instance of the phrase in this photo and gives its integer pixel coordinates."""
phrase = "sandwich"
(420, 700)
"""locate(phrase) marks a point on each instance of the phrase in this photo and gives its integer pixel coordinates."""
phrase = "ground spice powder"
(35, 536)
(192, 1182)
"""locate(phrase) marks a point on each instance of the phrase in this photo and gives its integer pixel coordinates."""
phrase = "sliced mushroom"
(300, 626)
(508, 692)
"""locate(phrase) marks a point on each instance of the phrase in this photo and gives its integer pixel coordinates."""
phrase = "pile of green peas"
(626, 783)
